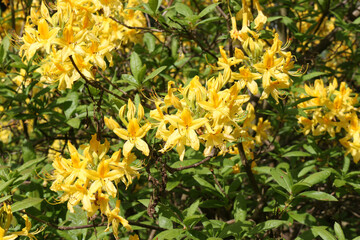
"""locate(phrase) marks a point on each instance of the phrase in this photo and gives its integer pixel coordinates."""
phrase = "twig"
(247, 166)
(214, 152)
(111, 83)
(228, 26)
(191, 36)
(94, 83)
(137, 28)
(218, 184)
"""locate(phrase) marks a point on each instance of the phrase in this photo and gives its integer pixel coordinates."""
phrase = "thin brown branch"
(248, 170)
(137, 28)
(111, 83)
(228, 26)
(94, 83)
(214, 152)
(218, 184)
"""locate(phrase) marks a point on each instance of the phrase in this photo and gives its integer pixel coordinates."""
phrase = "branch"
(247, 166)
(136, 28)
(110, 82)
(228, 26)
(218, 184)
(93, 82)
(214, 152)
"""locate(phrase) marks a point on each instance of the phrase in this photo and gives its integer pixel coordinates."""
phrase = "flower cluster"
(332, 109)
(255, 59)
(84, 30)
(91, 178)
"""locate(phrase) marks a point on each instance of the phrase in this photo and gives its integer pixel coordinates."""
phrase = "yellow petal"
(194, 140)
(131, 110)
(140, 112)
(43, 29)
(128, 146)
(143, 130)
(122, 133)
(142, 146)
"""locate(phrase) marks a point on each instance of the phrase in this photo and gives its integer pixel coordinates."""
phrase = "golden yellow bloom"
(114, 218)
(184, 133)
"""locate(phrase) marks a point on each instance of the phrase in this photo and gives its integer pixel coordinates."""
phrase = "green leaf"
(155, 73)
(144, 202)
(204, 183)
(191, 221)
(296, 154)
(20, 65)
(281, 178)
(323, 233)
(192, 209)
(312, 75)
(154, 5)
(306, 235)
(149, 40)
(5, 198)
(170, 234)
(174, 48)
(26, 203)
(305, 170)
(299, 187)
(28, 164)
(141, 74)
(4, 185)
(356, 21)
(301, 100)
(171, 185)
(183, 9)
(207, 20)
(274, 18)
(339, 232)
(208, 9)
(28, 151)
(346, 164)
(321, 196)
(240, 208)
(165, 222)
(130, 80)
(74, 122)
(304, 218)
(269, 224)
(135, 65)
(70, 102)
(317, 177)
(4, 48)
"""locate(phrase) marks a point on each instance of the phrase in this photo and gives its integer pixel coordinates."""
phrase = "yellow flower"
(115, 219)
(185, 132)
(134, 133)
(261, 130)
(247, 78)
(134, 237)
